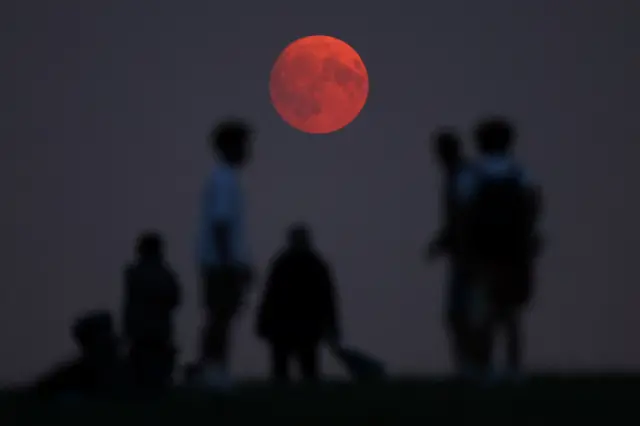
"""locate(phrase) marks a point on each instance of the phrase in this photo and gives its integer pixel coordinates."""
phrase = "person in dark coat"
(152, 294)
(299, 307)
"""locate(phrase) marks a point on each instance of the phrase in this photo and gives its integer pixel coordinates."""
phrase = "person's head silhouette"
(231, 142)
(494, 136)
(299, 236)
(150, 245)
(93, 333)
(447, 148)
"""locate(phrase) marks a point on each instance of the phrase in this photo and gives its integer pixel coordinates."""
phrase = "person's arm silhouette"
(332, 315)
(266, 306)
(129, 303)
(437, 246)
(175, 291)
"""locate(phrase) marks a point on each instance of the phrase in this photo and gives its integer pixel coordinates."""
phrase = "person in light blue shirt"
(223, 254)
(223, 201)
(498, 206)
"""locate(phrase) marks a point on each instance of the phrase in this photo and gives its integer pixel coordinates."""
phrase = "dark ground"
(541, 400)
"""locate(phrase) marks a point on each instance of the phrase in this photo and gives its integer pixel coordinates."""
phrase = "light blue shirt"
(487, 166)
(222, 201)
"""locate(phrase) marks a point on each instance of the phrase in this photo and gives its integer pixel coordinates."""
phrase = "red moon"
(318, 84)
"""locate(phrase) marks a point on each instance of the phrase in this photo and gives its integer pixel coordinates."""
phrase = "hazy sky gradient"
(105, 109)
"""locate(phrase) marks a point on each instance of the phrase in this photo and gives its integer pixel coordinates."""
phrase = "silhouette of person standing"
(448, 152)
(499, 207)
(298, 309)
(223, 253)
(152, 294)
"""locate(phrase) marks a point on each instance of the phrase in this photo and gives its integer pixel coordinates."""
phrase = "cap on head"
(150, 245)
(230, 139)
(494, 135)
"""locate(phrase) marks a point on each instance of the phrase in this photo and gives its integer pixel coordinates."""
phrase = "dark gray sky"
(105, 108)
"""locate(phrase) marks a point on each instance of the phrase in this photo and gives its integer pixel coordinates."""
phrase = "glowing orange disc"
(319, 84)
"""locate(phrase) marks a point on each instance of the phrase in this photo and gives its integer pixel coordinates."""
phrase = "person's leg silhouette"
(280, 358)
(307, 355)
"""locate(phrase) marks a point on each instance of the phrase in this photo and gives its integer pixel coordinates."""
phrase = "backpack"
(499, 225)
(498, 232)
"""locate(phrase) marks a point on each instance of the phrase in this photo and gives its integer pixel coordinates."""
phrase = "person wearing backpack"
(498, 211)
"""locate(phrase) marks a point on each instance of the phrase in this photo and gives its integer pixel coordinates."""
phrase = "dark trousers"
(457, 320)
(305, 354)
(506, 319)
(502, 290)
(223, 295)
(459, 340)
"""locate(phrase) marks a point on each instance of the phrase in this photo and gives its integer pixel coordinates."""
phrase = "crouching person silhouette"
(298, 310)
(152, 294)
(97, 368)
